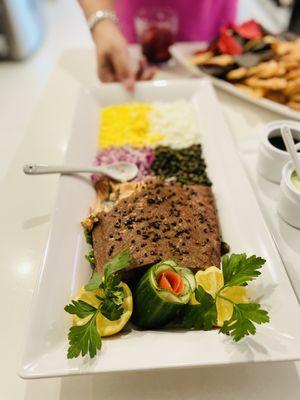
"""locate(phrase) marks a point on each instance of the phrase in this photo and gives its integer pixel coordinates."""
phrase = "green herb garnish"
(205, 316)
(80, 308)
(119, 262)
(94, 282)
(238, 270)
(225, 248)
(187, 164)
(242, 321)
(88, 236)
(111, 306)
(85, 338)
(90, 257)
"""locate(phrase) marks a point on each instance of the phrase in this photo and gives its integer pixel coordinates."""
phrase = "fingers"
(149, 73)
(121, 66)
(114, 66)
(117, 70)
(145, 73)
(105, 70)
(140, 71)
(129, 84)
(112, 54)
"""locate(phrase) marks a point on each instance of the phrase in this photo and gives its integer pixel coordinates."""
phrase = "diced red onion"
(142, 158)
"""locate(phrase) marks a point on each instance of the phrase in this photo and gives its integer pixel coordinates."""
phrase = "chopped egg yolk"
(127, 124)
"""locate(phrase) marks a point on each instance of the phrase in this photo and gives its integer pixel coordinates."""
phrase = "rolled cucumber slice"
(154, 306)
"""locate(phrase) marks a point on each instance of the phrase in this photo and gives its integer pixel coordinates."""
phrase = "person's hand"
(113, 57)
(144, 72)
(112, 54)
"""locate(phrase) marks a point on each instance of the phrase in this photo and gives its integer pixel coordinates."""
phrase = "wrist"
(91, 6)
(103, 30)
(99, 17)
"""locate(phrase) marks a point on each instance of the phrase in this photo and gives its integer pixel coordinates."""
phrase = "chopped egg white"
(176, 121)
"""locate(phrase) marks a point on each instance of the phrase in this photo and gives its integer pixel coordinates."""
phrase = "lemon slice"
(104, 325)
(237, 294)
(211, 280)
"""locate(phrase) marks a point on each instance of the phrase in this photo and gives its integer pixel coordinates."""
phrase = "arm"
(91, 6)
(111, 46)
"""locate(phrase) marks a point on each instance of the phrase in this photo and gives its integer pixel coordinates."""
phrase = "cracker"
(199, 59)
(236, 74)
(288, 65)
(254, 93)
(292, 88)
(276, 95)
(296, 98)
(268, 39)
(269, 84)
(284, 47)
(293, 74)
(267, 69)
(221, 61)
(294, 57)
(294, 105)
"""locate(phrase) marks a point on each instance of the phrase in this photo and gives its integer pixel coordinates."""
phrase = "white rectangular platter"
(64, 268)
(182, 52)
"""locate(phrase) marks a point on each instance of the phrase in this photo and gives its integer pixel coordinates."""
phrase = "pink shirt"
(198, 19)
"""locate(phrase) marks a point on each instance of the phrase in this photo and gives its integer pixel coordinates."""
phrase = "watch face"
(99, 15)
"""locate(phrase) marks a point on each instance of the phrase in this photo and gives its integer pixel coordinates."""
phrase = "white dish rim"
(25, 373)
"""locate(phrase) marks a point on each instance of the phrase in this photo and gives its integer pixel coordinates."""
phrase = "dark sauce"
(278, 142)
(155, 42)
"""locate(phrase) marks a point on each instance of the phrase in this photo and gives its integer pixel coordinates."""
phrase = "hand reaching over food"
(114, 63)
(112, 54)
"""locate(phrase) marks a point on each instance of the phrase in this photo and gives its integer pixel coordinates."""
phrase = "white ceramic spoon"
(121, 171)
(290, 146)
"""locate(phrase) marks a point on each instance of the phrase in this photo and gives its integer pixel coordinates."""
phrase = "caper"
(187, 164)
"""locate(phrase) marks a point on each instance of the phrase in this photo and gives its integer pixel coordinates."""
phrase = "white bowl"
(271, 160)
(289, 198)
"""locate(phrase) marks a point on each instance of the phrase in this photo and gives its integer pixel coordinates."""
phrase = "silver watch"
(99, 16)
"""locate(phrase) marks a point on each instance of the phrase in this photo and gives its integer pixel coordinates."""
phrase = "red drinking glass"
(156, 29)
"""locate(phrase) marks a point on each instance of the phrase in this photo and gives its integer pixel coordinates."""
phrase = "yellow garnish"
(105, 327)
(237, 294)
(212, 281)
(127, 124)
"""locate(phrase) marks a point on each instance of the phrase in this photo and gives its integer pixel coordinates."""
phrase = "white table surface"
(26, 207)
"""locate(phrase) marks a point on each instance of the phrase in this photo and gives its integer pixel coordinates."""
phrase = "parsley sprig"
(88, 236)
(90, 257)
(111, 303)
(242, 321)
(202, 315)
(238, 270)
(85, 338)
